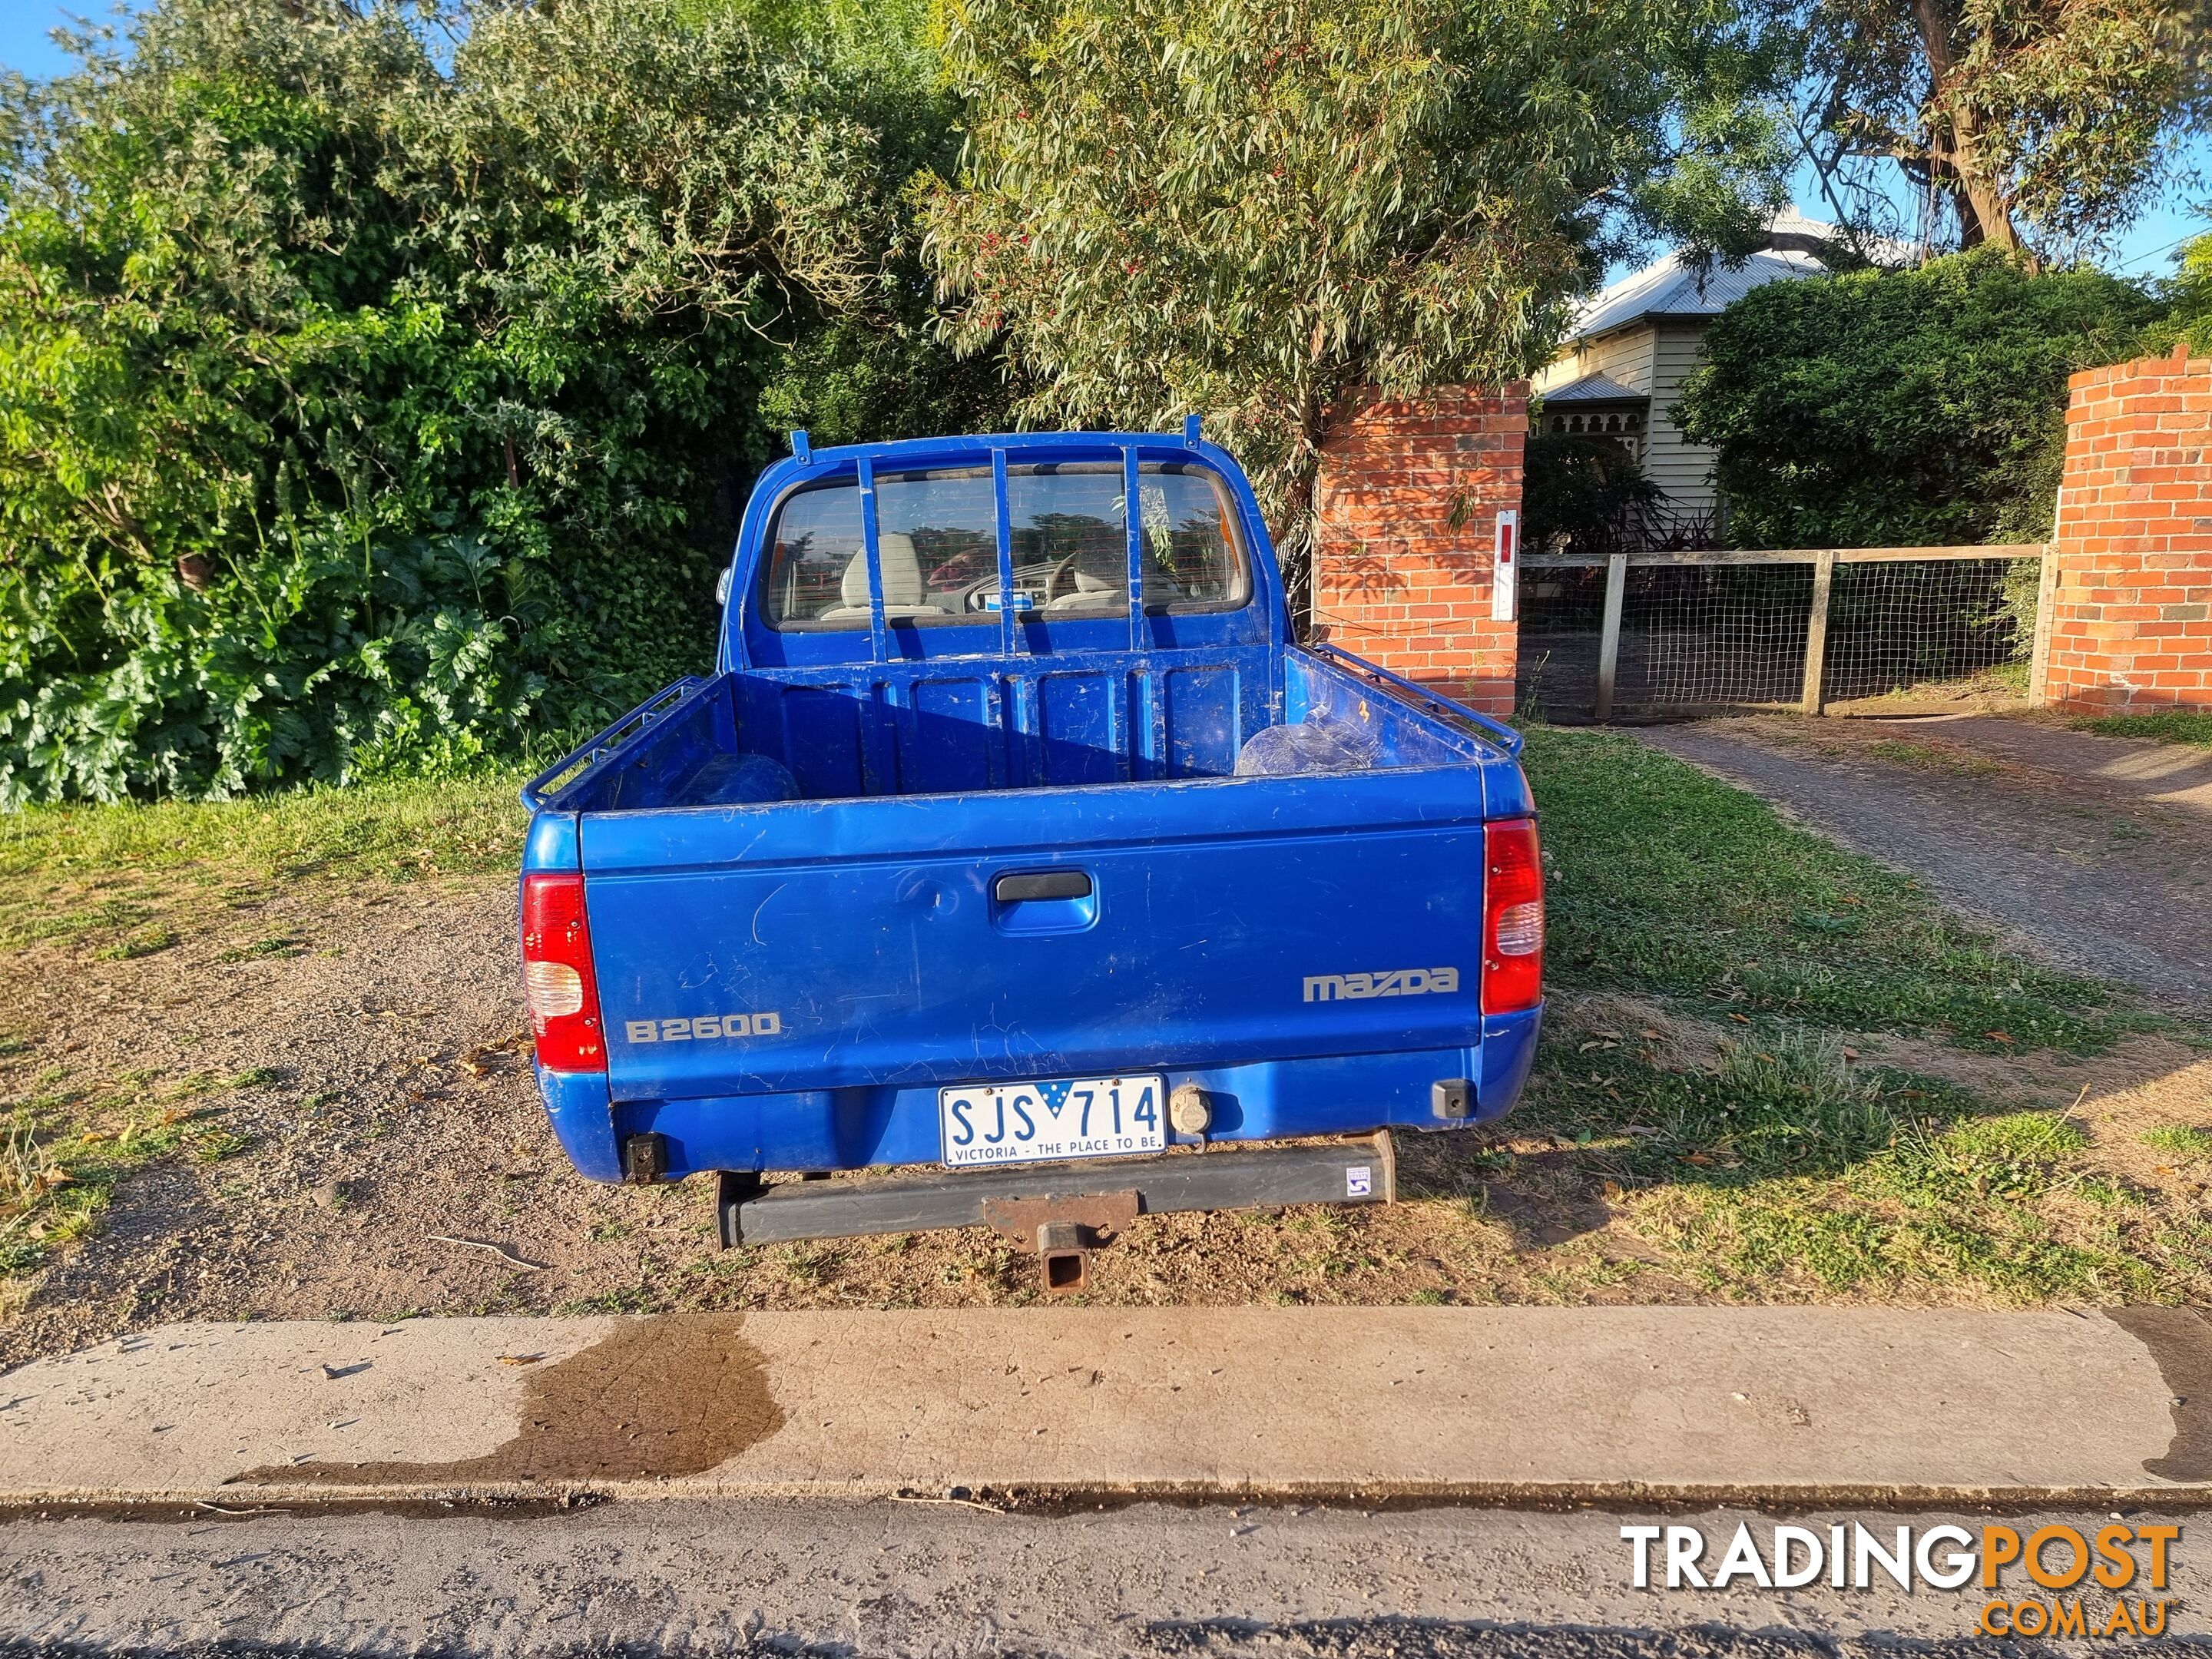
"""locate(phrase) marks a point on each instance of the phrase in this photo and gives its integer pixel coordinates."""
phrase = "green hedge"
(360, 415)
(1903, 408)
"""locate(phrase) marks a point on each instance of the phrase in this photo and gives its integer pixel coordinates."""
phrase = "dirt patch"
(386, 1100)
(389, 1130)
(375, 1128)
(670, 1396)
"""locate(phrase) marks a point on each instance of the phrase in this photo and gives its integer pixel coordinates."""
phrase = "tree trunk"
(1955, 156)
(1298, 545)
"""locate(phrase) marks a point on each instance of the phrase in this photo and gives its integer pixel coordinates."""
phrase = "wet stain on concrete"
(678, 1394)
(2180, 1339)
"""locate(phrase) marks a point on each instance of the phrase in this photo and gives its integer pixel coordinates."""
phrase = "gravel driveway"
(2095, 851)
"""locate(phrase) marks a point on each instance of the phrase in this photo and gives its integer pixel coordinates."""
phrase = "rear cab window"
(937, 537)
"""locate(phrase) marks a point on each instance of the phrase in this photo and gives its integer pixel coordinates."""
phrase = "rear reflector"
(1512, 917)
(556, 975)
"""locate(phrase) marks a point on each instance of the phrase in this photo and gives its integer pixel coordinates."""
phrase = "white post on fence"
(1608, 638)
(1816, 631)
(2046, 597)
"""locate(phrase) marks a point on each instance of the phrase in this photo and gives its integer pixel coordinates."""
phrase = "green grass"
(143, 943)
(128, 880)
(263, 947)
(63, 1152)
(2187, 725)
(1784, 1170)
(1929, 758)
(1666, 881)
(2183, 1143)
(395, 831)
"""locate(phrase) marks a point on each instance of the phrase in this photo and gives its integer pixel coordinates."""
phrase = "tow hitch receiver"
(1064, 1255)
(1062, 1211)
(1063, 1231)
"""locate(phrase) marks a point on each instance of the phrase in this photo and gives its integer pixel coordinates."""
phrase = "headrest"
(901, 574)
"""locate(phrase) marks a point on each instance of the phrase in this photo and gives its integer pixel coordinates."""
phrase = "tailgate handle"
(1044, 885)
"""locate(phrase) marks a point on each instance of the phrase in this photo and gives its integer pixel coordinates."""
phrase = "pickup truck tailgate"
(800, 946)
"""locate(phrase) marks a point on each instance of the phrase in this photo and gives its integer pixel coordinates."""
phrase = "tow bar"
(1061, 1210)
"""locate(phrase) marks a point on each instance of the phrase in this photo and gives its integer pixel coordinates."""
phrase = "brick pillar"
(1408, 499)
(2130, 624)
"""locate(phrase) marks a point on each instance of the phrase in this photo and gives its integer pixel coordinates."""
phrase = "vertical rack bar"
(1608, 638)
(1132, 522)
(1010, 626)
(1816, 632)
(879, 634)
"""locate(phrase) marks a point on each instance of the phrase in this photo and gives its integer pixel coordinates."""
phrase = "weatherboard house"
(1622, 367)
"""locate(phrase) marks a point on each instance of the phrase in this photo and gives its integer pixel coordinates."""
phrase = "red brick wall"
(2130, 624)
(1408, 500)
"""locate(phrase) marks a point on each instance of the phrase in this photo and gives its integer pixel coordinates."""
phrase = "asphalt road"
(855, 1581)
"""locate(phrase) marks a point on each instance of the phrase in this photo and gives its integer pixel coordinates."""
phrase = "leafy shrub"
(2189, 299)
(1902, 407)
(1586, 493)
(358, 417)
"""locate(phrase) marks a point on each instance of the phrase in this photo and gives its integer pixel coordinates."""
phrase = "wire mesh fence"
(1662, 633)
(1714, 634)
(1562, 612)
(1920, 630)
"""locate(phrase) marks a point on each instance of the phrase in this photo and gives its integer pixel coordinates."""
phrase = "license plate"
(1038, 1123)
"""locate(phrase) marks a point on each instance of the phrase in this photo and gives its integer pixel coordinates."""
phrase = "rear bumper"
(866, 1127)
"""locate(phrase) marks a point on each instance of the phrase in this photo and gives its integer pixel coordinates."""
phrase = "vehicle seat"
(903, 594)
(1092, 595)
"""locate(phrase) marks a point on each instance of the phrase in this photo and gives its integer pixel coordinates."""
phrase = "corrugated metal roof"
(1595, 388)
(1668, 289)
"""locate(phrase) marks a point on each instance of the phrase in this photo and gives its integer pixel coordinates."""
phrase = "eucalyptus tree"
(1256, 208)
(2043, 126)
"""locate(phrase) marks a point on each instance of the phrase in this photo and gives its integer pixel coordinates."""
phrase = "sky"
(23, 42)
(2146, 251)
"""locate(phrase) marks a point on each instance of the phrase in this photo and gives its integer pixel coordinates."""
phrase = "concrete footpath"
(1785, 1404)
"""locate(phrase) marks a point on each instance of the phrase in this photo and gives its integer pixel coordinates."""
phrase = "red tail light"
(1512, 917)
(556, 975)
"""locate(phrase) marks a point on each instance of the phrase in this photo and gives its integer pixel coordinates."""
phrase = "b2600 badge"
(703, 1026)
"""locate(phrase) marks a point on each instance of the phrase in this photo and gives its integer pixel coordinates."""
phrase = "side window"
(815, 564)
(1193, 560)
